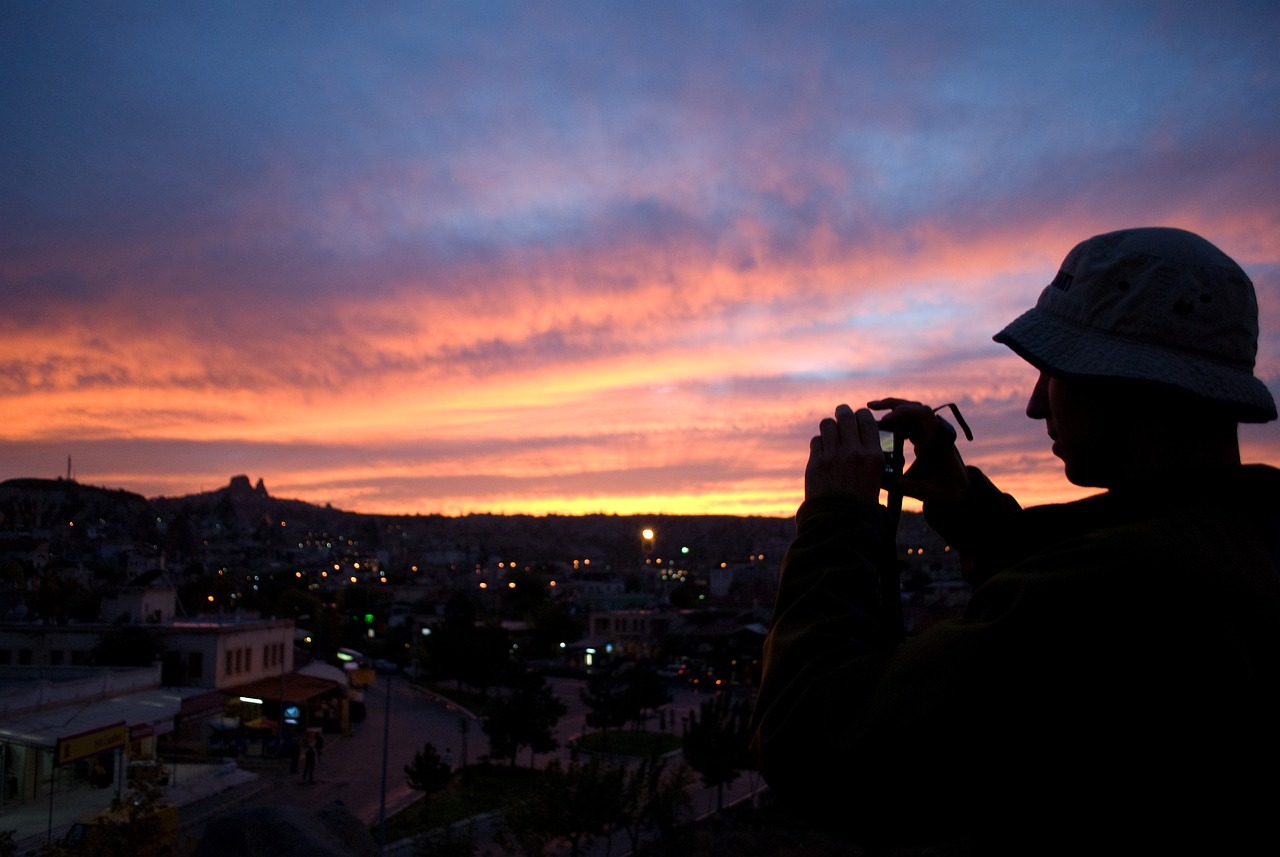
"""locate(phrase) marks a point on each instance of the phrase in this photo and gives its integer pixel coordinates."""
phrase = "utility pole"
(386, 737)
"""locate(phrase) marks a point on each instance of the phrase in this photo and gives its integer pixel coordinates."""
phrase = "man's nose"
(1038, 404)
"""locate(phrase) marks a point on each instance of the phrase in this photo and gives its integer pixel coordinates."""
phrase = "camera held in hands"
(894, 458)
(891, 444)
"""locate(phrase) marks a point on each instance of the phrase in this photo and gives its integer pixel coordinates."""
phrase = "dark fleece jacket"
(1111, 686)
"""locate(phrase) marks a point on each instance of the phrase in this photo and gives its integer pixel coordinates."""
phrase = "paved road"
(351, 769)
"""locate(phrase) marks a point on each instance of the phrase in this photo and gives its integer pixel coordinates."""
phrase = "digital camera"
(894, 459)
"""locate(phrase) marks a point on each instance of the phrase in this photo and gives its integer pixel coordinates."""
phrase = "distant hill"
(36, 504)
(39, 504)
(242, 509)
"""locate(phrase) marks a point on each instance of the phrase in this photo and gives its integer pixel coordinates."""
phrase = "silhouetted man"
(1110, 687)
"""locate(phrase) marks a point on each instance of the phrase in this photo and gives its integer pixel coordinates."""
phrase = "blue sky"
(572, 257)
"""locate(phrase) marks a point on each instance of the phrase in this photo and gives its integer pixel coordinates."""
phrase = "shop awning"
(43, 728)
(291, 687)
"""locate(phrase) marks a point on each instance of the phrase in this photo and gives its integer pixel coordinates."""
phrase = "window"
(57, 658)
(272, 655)
(195, 665)
(229, 669)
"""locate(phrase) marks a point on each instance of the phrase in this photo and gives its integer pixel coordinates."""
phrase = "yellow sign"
(73, 748)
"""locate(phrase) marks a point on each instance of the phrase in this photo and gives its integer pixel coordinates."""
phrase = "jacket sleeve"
(978, 526)
(846, 707)
(833, 629)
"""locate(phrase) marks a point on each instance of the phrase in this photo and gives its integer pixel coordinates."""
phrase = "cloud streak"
(581, 257)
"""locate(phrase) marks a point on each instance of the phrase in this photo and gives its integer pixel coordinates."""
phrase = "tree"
(139, 824)
(525, 718)
(126, 646)
(644, 692)
(716, 739)
(451, 840)
(427, 773)
(293, 602)
(576, 805)
(655, 799)
(554, 624)
(465, 652)
(485, 659)
(605, 697)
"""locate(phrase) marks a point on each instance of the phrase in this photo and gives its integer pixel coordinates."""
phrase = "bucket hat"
(1154, 304)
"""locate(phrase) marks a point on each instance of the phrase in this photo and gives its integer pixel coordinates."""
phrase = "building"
(61, 728)
(206, 651)
(225, 685)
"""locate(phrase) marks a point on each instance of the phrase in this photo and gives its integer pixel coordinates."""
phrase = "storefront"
(264, 717)
(53, 749)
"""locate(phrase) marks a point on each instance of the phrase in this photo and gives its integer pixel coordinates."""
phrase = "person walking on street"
(309, 764)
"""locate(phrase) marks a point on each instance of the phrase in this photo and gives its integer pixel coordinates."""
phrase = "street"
(351, 769)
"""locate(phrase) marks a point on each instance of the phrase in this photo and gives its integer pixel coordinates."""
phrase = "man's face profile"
(1084, 421)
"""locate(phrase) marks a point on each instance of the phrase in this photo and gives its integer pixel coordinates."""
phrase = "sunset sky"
(571, 257)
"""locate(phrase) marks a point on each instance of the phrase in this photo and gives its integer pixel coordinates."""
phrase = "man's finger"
(890, 403)
(848, 423)
(868, 429)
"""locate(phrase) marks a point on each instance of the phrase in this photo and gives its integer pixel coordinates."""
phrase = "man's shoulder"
(1259, 476)
(1178, 525)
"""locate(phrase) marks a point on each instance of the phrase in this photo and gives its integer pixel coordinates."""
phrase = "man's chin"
(1084, 478)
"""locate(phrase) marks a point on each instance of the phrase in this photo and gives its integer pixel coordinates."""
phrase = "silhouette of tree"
(126, 646)
(461, 651)
(554, 624)
(575, 806)
(655, 799)
(643, 692)
(139, 817)
(715, 741)
(605, 697)
(525, 718)
(427, 773)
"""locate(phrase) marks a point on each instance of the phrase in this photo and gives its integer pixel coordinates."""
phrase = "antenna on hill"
(68, 468)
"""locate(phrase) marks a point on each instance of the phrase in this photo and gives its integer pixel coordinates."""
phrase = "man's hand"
(938, 472)
(845, 459)
(914, 421)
